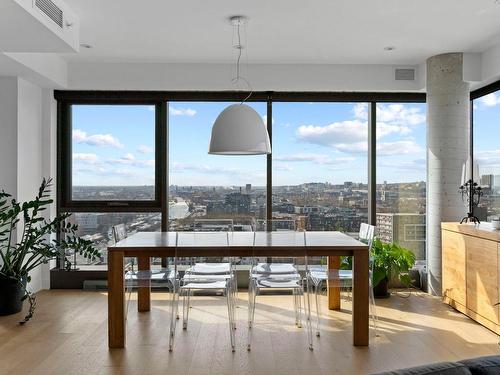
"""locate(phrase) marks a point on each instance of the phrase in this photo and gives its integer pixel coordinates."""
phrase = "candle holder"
(471, 195)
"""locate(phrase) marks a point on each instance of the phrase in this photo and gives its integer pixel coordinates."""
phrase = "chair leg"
(235, 289)
(173, 318)
(251, 311)
(129, 292)
(307, 306)
(295, 307)
(299, 305)
(230, 316)
(373, 309)
(233, 301)
(185, 309)
(317, 290)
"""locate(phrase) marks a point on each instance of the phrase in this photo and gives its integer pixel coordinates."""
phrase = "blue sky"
(486, 133)
(312, 142)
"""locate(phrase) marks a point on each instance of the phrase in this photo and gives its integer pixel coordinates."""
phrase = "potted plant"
(390, 262)
(23, 221)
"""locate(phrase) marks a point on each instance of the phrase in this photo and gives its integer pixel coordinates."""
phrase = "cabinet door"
(482, 283)
(454, 285)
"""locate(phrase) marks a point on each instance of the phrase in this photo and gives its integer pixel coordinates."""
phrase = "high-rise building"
(248, 188)
(406, 230)
(487, 180)
(238, 203)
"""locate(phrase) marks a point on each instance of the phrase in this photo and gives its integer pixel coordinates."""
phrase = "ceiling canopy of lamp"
(239, 129)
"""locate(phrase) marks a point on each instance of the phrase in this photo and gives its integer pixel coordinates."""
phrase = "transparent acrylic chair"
(320, 275)
(279, 274)
(203, 276)
(217, 268)
(135, 278)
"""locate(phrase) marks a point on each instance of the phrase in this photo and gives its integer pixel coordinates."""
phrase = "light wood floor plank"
(68, 336)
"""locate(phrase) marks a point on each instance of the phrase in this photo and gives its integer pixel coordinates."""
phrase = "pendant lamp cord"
(238, 60)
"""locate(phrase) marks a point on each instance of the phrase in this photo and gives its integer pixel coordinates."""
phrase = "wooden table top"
(276, 243)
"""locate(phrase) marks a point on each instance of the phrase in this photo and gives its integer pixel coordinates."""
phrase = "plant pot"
(381, 289)
(11, 294)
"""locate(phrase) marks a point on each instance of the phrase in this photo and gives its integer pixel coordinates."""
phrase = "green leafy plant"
(34, 247)
(391, 261)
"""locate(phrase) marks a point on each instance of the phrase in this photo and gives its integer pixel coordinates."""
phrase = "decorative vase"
(11, 294)
(381, 289)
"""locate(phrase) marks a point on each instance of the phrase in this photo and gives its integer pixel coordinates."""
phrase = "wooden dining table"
(147, 245)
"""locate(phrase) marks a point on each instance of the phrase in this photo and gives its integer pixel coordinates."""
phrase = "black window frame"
(477, 94)
(161, 99)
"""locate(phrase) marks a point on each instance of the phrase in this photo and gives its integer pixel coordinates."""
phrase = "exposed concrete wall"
(448, 125)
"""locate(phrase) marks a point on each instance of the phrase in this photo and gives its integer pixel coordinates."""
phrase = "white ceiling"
(284, 31)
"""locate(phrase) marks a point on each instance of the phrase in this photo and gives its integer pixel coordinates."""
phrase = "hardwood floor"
(68, 335)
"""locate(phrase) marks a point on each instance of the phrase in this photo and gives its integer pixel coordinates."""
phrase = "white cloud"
(102, 140)
(128, 156)
(333, 134)
(488, 158)
(345, 159)
(316, 158)
(282, 167)
(86, 158)
(400, 114)
(351, 136)
(398, 148)
(181, 111)
(360, 111)
(413, 165)
(403, 115)
(129, 159)
(490, 100)
(143, 149)
(202, 168)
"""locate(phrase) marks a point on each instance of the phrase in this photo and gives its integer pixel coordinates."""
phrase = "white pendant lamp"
(239, 129)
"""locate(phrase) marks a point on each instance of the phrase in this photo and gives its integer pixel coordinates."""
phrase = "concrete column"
(448, 127)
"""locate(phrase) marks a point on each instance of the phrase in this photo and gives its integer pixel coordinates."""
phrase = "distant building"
(306, 209)
(248, 188)
(487, 180)
(406, 230)
(238, 203)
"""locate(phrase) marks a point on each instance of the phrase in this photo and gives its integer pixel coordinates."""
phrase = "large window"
(113, 152)
(320, 165)
(486, 148)
(210, 191)
(142, 159)
(401, 175)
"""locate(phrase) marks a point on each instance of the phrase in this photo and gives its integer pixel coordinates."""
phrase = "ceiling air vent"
(404, 74)
(51, 10)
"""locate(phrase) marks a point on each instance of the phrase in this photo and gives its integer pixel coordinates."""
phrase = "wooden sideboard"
(471, 271)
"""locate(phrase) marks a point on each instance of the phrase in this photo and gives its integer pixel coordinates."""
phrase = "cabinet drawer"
(482, 281)
(454, 270)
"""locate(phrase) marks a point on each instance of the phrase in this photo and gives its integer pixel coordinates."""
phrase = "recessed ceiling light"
(85, 45)
(389, 48)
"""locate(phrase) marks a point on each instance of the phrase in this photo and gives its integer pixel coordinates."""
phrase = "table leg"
(144, 289)
(360, 302)
(333, 283)
(116, 300)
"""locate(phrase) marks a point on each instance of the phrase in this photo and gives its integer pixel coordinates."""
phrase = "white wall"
(21, 147)
(213, 77)
(8, 134)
